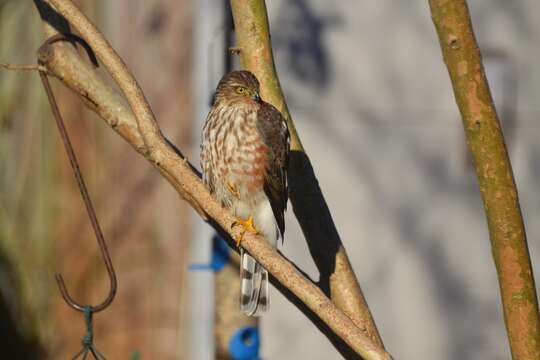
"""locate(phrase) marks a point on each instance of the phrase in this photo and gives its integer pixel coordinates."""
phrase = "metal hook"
(82, 187)
(73, 40)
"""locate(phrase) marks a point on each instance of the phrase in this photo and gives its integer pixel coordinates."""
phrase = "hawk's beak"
(257, 97)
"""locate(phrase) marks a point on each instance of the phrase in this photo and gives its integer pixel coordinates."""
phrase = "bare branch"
(494, 173)
(62, 61)
(337, 277)
(187, 183)
(17, 67)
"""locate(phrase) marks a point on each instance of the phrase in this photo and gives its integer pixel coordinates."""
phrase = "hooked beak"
(257, 97)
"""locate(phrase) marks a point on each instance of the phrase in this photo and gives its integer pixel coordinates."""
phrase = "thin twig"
(17, 67)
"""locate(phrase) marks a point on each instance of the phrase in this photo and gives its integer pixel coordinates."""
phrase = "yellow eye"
(241, 90)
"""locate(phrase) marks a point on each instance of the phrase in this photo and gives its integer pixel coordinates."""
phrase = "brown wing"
(275, 134)
(206, 148)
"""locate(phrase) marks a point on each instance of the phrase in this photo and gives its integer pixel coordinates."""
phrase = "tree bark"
(494, 173)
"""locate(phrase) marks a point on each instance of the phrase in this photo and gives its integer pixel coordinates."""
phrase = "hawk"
(244, 155)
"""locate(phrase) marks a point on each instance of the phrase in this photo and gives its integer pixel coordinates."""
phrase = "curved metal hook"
(82, 187)
(73, 40)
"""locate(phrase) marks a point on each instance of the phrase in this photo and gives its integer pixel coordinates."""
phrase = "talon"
(232, 190)
(247, 226)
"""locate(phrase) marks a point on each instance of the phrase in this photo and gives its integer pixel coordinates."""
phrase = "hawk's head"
(237, 86)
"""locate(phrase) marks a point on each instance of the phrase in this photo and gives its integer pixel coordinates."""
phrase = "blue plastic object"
(220, 256)
(245, 344)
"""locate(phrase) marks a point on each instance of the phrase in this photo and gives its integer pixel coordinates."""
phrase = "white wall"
(372, 100)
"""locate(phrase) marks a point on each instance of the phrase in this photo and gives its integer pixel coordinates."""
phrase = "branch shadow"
(338, 343)
(301, 39)
(313, 215)
(341, 346)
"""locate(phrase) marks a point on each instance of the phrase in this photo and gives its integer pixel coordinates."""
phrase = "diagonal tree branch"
(179, 173)
(337, 278)
(494, 173)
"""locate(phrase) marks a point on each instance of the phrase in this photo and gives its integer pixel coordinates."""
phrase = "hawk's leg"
(247, 226)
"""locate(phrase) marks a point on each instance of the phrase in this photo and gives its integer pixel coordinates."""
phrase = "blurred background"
(373, 104)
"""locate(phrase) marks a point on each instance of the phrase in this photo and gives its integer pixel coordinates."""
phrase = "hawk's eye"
(241, 90)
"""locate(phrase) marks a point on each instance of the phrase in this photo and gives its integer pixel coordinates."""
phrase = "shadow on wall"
(406, 213)
(298, 34)
(403, 133)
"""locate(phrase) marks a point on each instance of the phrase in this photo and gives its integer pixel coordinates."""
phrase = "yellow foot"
(232, 190)
(247, 226)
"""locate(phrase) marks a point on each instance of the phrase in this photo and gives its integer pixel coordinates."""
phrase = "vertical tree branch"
(494, 173)
(337, 276)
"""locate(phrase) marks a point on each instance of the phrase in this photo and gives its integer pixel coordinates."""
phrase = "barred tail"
(253, 286)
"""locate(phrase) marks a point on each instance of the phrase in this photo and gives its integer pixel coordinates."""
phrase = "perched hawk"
(244, 154)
